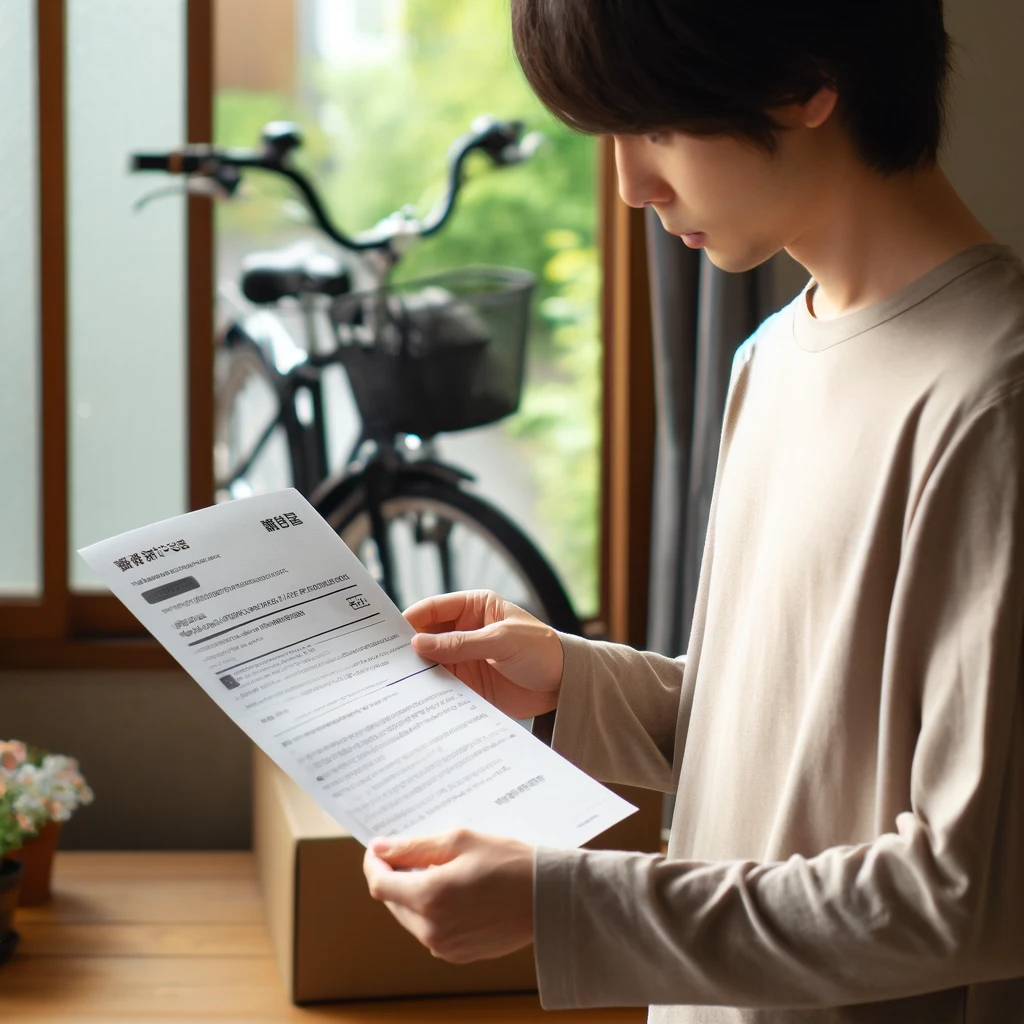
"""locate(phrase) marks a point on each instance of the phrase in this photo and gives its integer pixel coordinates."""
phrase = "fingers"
(402, 888)
(472, 898)
(421, 852)
(443, 609)
(457, 646)
(387, 864)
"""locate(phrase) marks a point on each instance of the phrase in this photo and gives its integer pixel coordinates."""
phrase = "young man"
(846, 733)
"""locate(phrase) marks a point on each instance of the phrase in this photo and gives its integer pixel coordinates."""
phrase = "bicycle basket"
(438, 354)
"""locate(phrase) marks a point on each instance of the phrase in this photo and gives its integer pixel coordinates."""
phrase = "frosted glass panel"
(19, 303)
(127, 291)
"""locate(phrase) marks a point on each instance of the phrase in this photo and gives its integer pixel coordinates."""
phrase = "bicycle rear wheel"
(444, 539)
(245, 413)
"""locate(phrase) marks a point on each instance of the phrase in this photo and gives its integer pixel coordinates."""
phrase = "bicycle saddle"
(268, 277)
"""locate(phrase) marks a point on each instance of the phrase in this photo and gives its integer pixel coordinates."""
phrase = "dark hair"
(718, 66)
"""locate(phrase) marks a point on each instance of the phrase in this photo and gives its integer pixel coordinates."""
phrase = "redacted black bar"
(173, 589)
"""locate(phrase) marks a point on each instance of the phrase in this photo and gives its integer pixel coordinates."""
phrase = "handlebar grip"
(150, 161)
(169, 163)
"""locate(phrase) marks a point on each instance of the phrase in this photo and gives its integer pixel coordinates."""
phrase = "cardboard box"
(332, 941)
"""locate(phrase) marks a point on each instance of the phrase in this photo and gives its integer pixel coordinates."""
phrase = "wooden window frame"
(628, 426)
(64, 630)
(61, 628)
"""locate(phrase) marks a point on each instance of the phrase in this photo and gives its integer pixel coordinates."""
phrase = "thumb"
(458, 646)
(422, 852)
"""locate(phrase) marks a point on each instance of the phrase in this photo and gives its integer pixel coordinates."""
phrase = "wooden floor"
(180, 937)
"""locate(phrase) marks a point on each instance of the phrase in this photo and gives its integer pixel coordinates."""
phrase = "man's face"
(726, 195)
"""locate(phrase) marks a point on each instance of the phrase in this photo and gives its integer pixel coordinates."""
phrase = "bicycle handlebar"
(502, 141)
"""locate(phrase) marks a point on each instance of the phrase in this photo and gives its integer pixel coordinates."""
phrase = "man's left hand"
(472, 900)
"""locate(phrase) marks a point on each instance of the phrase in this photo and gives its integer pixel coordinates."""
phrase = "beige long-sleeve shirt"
(846, 734)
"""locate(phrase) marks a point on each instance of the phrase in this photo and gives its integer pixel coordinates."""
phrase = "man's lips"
(694, 239)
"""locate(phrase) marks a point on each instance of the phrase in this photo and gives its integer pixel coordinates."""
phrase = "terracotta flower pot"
(36, 855)
(10, 881)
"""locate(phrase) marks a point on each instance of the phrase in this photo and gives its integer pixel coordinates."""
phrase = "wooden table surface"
(147, 937)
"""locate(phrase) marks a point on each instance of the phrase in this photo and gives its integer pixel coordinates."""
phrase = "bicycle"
(423, 358)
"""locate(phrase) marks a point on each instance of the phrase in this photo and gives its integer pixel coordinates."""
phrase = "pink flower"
(12, 754)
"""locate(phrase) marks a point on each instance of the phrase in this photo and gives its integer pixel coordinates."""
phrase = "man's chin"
(736, 263)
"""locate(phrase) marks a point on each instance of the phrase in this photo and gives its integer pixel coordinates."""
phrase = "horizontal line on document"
(276, 611)
(418, 672)
(362, 695)
(331, 639)
(320, 643)
(373, 689)
(305, 639)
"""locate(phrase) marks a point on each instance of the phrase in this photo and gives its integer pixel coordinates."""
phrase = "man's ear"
(818, 109)
(812, 113)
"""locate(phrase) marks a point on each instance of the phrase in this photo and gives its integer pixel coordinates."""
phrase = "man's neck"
(871, 236)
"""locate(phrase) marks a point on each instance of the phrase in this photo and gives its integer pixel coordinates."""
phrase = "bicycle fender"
(337, 489)
(435, 470)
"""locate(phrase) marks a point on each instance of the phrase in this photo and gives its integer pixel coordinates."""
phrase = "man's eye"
(654, 136)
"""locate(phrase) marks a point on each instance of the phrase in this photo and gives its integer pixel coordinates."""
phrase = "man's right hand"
(509, 657)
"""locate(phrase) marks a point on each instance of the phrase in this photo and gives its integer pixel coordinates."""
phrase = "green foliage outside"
(377, 140)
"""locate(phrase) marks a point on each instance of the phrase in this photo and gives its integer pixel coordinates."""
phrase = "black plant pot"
(10, 882)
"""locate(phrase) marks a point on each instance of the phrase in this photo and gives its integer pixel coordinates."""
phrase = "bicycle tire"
(343, 505)
(235, 367)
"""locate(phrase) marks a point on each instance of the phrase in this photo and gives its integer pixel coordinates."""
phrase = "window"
(20, 563)
(107, 395)
(104, 342)
(126, 281)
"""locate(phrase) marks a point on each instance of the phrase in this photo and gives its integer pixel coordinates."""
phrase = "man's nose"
(639, 183)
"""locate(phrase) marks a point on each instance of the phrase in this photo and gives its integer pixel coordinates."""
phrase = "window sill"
(114, 654)
(125, 653)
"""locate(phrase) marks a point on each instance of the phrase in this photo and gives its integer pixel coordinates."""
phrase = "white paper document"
(265, 607)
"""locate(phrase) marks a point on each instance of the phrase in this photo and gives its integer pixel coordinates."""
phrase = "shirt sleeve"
(934, 903)
(619, 712)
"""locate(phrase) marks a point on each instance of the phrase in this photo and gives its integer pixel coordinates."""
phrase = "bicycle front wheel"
(444, 539)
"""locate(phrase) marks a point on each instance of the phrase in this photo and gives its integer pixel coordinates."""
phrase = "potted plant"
(46, 790)
(13, 828)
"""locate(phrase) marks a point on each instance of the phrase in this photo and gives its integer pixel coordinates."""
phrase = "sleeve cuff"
(572, 720)
(553, 872)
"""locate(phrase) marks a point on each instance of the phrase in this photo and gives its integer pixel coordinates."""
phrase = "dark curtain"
(700, 316)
